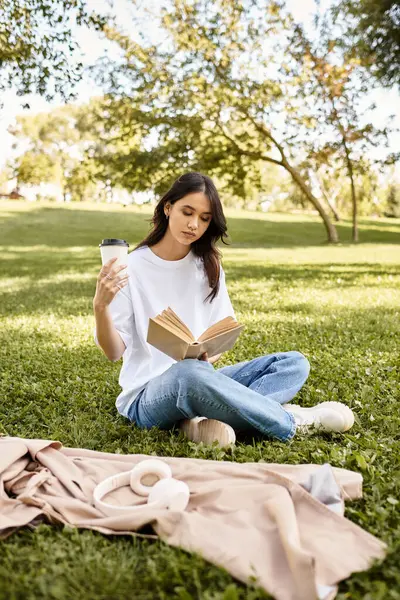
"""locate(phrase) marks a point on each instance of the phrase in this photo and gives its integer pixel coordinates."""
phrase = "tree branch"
(257, 155)
(264, 131)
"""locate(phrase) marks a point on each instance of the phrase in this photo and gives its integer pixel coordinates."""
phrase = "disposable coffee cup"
(111, 247)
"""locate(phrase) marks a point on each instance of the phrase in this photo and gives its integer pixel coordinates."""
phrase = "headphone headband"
(165, 493)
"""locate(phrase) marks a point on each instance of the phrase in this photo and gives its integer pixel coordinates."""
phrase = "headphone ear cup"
(151, 467)
(169, 493)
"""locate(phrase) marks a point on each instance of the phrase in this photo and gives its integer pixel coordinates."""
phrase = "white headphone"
(165, 493)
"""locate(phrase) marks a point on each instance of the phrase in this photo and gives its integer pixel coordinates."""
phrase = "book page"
(166, 340)
(169, 326)
(170, 316)
(173, 323)
(220, 343)
(170, 323)
(178, 321)
(224, 325)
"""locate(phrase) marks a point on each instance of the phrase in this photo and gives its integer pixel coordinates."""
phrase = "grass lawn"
(338, 305)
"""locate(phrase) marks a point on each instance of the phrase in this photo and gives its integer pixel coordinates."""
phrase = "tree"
(325, 177)
(393, 201)
(108, 146)
(370, 30)
(80, 182)
(336, 85)
(34, 168)
(37, 45)
(211, 96)
(55, 146)
(6, 176)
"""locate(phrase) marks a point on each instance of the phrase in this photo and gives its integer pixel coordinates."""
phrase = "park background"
(288, 108)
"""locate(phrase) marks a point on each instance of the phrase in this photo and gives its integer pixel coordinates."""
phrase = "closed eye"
(204, 219)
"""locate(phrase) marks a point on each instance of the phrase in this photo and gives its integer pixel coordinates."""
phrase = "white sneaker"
(201, 429)
(329, 416)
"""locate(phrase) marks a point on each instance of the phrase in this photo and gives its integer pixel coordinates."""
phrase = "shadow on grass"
(58, 227)
(349, 274)
(68, 393)
(40, 263)
(247, 233)
(74, 295)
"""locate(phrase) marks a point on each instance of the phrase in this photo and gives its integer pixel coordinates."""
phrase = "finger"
(120, 277)
(124, 279)
(120, 268)
(104, 269)
(122, 282)
(102, 274)
(105, 276)
(112, 260)
(116, 269)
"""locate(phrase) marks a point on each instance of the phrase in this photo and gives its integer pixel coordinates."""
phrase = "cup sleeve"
(122, 315)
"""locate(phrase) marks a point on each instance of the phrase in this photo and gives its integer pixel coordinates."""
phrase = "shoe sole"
(346, 412)
(343, 409)
(209, 431)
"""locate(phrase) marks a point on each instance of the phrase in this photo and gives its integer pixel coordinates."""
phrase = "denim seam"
(277, 358)
(235, 412)
(143, 406)
(254, 423)
(252, 373)
(293, 427)
(225, 408)
(259, 385)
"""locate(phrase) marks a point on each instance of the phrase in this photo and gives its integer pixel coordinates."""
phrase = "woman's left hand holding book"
(211, 360)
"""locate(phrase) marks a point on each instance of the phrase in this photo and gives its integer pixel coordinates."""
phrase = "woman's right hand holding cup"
(109, 283)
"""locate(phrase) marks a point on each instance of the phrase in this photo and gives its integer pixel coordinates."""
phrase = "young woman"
(178, 265)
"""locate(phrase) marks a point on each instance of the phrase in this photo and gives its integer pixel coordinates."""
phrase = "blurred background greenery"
(287, 107)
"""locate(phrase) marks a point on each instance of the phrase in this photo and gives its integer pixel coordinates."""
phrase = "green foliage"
(212, 93)
(6, 175)
(80, 180)
(336, 83)
(393, 201)
(37, 45)
(57, 151)
(34, 168)
(338, 305)
(214, 112)
(205, 106)
(372, 33)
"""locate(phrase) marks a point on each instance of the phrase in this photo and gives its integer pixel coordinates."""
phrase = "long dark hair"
(205, 246)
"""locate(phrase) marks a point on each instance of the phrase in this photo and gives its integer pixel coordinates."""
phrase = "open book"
(170, 335)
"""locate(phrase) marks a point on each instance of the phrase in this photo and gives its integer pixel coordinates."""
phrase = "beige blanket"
(253, 519)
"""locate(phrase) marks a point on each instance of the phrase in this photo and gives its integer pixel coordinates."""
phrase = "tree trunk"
(331, 206)
(353, 196)
(333, 237)
(355, 219)
(333, 209)
(350, 171)
(327, 198)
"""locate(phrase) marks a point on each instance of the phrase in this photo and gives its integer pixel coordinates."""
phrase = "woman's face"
(189, 217)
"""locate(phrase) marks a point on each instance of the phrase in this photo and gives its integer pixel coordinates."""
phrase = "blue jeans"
(248, 395)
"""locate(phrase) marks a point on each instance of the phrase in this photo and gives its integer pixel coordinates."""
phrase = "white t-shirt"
(153, 285)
